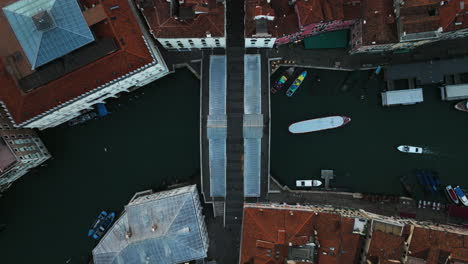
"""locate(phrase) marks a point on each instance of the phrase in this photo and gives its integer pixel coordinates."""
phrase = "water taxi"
(410, 149)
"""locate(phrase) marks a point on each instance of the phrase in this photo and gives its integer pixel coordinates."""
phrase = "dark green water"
(363, 153)
(151, 140)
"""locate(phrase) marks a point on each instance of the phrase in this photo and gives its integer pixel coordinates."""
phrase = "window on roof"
(433, 12)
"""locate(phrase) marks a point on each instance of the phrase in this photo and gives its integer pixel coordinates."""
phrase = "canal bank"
(150, 140)
(363, 153)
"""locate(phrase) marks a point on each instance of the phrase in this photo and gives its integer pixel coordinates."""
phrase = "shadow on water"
(150, 140)
(363, 153)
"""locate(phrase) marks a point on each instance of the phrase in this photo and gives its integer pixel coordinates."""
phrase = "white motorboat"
(410, 149)
(308, 183)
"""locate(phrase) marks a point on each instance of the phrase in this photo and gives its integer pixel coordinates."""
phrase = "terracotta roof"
(385, 247)
(285, 21)
(267, 234)
(165, 25)
(310, 12)
(132, 54)
(433, 245)
(378, 26)
(429, 15)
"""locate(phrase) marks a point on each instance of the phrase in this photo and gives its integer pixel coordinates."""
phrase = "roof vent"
(208, 34)
(128, 234)
(154, 227)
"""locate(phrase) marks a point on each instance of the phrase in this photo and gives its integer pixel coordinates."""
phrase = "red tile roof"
(285, 21)
(133, 54)
(267, 233)
(164, 25)
(378, 26)
(429, 15)
(386, 247)
(431, 245)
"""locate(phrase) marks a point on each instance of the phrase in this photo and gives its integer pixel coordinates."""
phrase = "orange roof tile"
(267, 234)
(431, 245)
(285, 21)
(165, 25)
(132, 54)
(379, 26)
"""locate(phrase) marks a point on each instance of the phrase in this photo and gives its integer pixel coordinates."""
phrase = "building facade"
(185, 25)
(21, 149)
(279, 22)
(64, 80)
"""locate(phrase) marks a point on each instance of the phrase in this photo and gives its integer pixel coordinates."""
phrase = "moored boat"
(97, 223)
(104, 226)
(282, 80)
(451, 194)
(461, 195)
(308, 183)
(318, 124)
(462, 106)
(293, 88)
(82, 118)
(410, 149)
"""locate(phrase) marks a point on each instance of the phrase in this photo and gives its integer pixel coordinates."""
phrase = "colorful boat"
(461, 195)
(97, 223)
(410, 149)
(282, 80)
(293, 88)
(104, 226)
(318, 124)
(462, 106)
(451, 194)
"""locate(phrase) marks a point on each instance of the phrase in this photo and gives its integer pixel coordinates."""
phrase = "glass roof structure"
(48, 29)
(252, 125)
(164, 228)
(217, 126)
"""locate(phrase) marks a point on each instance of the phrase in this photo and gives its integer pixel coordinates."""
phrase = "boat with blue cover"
(293, 88)
(104, 226)
(97, 223)
(461, 195)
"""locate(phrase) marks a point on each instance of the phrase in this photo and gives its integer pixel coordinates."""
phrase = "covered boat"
(461, 195)
(293, 88)
(318, 124)
(282, 80)
(308, 183)
(97, 223)
(462, 106)
(410, 149)
(451, 194)
(104, 226)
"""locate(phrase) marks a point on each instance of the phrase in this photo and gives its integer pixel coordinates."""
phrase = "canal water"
(151, 139)
(363, 153)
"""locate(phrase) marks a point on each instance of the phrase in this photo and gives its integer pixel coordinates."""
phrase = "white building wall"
(73, 108)
(192, 43)
(259, 42)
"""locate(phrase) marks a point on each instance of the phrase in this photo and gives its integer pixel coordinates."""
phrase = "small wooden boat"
(451, 194)
(97, 223)
(282, 80)
(293, 88)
